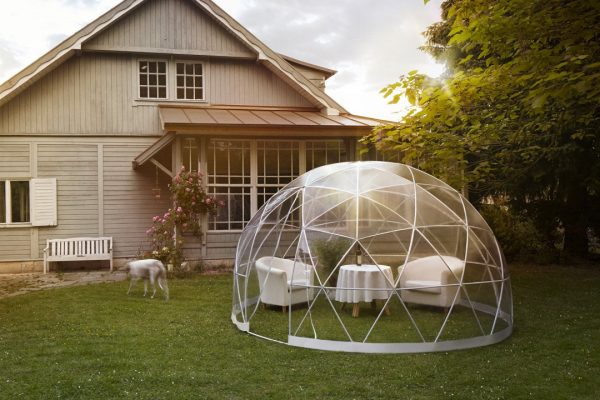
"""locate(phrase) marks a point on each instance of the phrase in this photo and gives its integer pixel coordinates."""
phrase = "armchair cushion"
(432, 280)
(283, 282)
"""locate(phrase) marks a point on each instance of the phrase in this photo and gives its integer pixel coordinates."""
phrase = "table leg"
(355, 310)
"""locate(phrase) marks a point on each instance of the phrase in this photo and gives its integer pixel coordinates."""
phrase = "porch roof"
(187, 118)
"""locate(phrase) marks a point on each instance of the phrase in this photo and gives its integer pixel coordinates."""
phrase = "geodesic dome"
(371, 257)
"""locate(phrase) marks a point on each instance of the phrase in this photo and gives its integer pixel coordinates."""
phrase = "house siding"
(75, 167)
(15, 244)
(14, 161)
(98, 193)
(169, 24)
(94, 94)
(129, 204)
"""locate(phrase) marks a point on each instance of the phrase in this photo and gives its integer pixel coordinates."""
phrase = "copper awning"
(178, 118)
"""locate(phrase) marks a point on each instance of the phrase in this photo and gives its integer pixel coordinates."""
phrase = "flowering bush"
(190, 202)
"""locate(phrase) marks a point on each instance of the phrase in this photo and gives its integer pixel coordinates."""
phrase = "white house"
(92, 132)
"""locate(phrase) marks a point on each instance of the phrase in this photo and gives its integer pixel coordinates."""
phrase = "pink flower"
(193, 203)
(208, 200)
(179, 209)
(188, 190)
(155, 219)
(183, 167)
(221, 203)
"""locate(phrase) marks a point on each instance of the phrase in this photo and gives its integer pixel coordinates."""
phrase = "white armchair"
(283, 282)
(426, 279)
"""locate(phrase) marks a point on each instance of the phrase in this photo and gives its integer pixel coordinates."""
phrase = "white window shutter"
(43, 202)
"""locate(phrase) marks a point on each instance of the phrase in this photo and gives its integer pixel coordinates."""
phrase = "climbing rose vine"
(190, 202)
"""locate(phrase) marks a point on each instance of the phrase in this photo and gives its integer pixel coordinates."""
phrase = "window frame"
(254, 171)
(176, 86)
(138, 84)
(8, 211)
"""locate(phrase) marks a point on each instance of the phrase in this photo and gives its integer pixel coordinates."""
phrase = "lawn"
(96, 342)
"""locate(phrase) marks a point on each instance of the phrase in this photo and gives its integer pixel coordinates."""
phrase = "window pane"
(20, 201)
(180, 81)
(162, 67)
(180, 94)
(2, 202)
(180, 68)
(189, 93)
(198, 94)
(143, 79)
(143, 66)
(152, 79)
(153, 92)
(198, 82)
(189, 69)
(152, 66)
(162, 80)
(143, 92)
(162, 93)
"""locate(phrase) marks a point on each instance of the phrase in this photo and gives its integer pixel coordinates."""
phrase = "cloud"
(370, 43)
(9, 61)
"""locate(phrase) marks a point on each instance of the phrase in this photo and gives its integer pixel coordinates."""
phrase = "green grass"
(96, 342)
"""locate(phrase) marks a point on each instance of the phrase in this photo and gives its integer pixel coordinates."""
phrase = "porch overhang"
(263, 121)
(150, 152)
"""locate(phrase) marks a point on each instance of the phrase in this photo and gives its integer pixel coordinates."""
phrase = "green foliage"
(190, 202)
(518, 235)
(517, 112)
(329, 252)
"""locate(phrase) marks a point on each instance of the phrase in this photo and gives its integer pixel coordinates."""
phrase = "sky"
(369, 42)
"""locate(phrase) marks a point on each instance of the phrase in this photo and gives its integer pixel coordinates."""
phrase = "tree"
(516, 115)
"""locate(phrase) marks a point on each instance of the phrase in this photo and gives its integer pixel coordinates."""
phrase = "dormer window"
(190, 81)
(153, 79)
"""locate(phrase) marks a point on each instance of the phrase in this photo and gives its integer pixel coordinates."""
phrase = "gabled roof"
(270, 59)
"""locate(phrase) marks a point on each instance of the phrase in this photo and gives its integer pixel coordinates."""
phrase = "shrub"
(190, 202)
(517, 234)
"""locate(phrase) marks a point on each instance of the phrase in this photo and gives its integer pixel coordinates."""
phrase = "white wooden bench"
(78, 249)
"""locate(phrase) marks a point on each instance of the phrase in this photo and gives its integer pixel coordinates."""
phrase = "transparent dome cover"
(371, 257)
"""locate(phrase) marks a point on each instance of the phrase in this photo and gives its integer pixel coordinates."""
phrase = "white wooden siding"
(75, 167)
(94, 94)
(14, 161)
(129, 204)
(169, 24)
(249, 83)
(15, 244)
(87, 95)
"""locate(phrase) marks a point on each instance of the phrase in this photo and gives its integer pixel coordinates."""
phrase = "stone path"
(17, 284)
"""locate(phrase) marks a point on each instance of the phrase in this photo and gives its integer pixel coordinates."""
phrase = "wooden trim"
(238, 107)
(153, 51)
(287, 131)
(100, 190)
(164, 169)
(153, 149)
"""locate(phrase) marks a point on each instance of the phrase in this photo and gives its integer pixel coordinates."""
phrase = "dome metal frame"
(407, 226)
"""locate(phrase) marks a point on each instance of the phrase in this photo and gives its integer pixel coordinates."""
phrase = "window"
(189, 154)
(14, 202)
(190, 84)
(153, 79)
(229, 180)
(323, 152)
(278, 165)
(247, 173)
